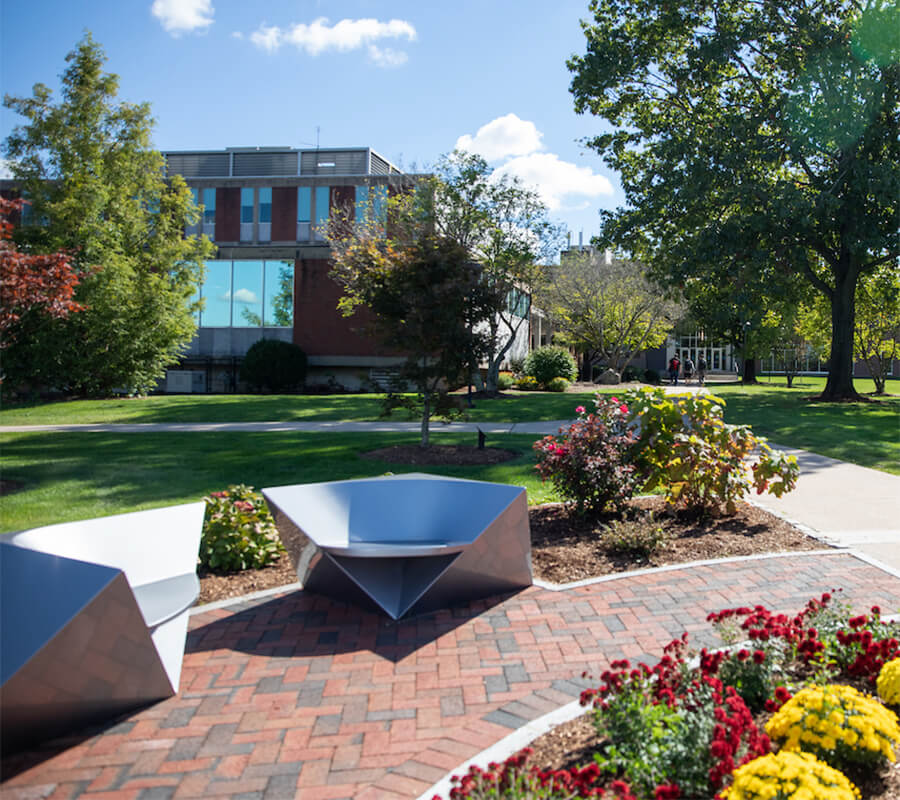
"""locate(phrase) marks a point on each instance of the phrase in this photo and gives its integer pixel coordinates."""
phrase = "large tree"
(98, 190)
(752, 138)
(504, 226)
(425, 294)
(607, 308)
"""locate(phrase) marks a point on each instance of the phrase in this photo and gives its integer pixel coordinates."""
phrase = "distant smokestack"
(580, 239)
(608, 255)
(568, 240)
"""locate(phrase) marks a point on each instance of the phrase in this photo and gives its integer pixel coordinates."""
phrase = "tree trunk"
(587, 367)
(749, 371)
(839, 385)
(426, 415)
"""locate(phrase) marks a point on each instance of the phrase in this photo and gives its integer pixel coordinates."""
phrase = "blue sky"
(412, 80)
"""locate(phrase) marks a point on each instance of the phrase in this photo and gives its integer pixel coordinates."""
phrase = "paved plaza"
(293, 695)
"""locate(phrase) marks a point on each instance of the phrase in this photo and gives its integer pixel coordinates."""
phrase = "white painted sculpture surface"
(94, 618)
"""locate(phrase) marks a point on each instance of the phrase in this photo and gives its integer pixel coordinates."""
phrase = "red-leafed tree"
(41, 284)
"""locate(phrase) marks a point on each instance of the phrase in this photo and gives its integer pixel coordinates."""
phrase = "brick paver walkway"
(298, 696)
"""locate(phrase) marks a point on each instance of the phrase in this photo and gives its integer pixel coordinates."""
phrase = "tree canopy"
(97, 189)
(758, 144)
(503, 225)
(425, 293)
(607, 309)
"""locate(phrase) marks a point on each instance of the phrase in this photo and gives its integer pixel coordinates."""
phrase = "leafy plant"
(641, 536)
(505, 380)
(838, 725)
(685, 447)
(557, 385)
(589, 464)
(788, 776)
(549, 362)
(889, 682)
(275, 366)
(527, 383)
(512, 780)
(238, 531)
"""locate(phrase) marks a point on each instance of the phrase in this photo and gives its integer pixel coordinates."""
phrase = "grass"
(70, 476)
(861, 433)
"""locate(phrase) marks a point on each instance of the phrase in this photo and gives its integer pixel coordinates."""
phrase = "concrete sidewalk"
(845, 504)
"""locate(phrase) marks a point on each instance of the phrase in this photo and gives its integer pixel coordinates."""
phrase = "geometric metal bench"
(407, 543)
(93, 618)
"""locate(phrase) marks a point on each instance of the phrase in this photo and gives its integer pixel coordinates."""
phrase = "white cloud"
(245, 296)
(387, 57)
(349, 34)
(183, 16)
(556, 180)
(503, 137)
(267, 37)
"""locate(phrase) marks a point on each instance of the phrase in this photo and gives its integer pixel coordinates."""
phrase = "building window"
(216, 295)
(193, 230)
(279, 283)
(304, 210)
(209, 213)
(247, 299)
(265, 214)
(361, 213)
(322, 196)
(247, 294)
(247, 215)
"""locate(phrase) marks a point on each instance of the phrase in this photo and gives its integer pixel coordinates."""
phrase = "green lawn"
(862, 433)
(70, 476)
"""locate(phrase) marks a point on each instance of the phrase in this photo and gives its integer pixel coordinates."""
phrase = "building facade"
(267, 210)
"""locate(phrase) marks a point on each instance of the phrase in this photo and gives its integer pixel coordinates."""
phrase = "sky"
(411, 80)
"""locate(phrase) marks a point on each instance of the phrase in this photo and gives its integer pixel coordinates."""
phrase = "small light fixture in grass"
(238, 531)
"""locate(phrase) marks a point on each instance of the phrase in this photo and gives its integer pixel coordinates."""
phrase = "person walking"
(688, 369)
(701, 369)
(674, 366)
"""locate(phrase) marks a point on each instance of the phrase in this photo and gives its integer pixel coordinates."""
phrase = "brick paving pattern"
(299, 696)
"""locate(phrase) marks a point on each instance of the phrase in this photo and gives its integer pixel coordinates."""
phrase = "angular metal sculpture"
(407, 543)
(93, 619)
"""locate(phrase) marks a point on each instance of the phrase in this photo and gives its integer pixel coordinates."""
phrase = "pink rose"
(579, 409)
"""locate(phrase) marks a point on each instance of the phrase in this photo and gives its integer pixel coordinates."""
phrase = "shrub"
(589, 464)
(641, 536)
(272, 365)
(527, 383)
(789, 776)
(505, 380)
(838, 725)
(238, 531)
(672, 732)
(557, 385)
(549, 362)
(513, 780)
(686, 448)
(632, 373)
(517, 365)
(652, 377)
(889, 682)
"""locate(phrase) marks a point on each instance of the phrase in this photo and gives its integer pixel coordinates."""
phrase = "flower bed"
(787, 713)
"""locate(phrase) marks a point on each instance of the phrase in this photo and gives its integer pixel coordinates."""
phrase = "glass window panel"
(279, 309)
(265, 205)
(304, 201)
(246, 205)
(362, 203)
(379, 203)
(322, 206)
(209, 203)
(216, 293)
(248, 294)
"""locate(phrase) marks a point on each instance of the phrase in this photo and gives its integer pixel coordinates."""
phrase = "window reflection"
(279, 310)
(216, 294)
(248, 294)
